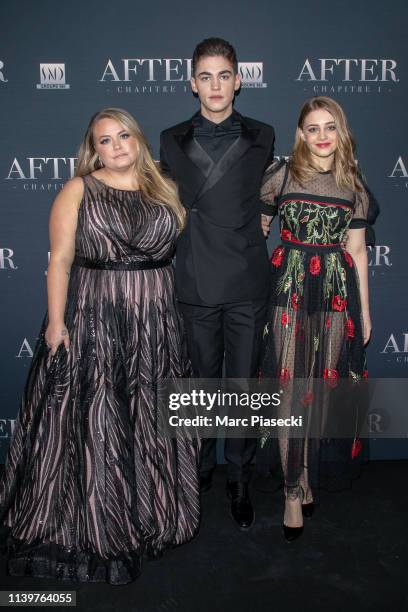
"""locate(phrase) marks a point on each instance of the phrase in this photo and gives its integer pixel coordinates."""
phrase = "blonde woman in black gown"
(319, 316)
(90, 485)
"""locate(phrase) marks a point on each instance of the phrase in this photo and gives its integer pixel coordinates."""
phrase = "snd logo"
(251, 75)
(52, 77)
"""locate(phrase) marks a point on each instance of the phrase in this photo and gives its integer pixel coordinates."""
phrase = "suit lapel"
(197, 155)
(197, 163)
(204, 173)
(230, 157)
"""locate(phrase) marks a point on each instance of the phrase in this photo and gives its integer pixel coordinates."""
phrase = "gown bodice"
(119, 225)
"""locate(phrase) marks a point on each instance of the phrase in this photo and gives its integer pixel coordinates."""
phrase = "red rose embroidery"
(331, 376)
(307, 399)
(356, 448)
(338, 303)
(295, 301)
(348, 259)
(286, 235)
(350, 328)
(277, 257)
(284, 375)
(327, 323)
(314, 266)
(285, 318)
(365, 374)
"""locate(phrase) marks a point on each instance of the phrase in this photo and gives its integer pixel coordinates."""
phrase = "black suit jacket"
(221, 255)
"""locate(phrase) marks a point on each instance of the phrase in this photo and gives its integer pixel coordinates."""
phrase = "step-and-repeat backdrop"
(62, 61)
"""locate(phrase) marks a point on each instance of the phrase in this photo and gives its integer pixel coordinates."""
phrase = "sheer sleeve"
(272, 185)
(366, 211)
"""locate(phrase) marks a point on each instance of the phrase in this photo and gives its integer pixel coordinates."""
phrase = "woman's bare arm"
(63, 223)
(356, 246)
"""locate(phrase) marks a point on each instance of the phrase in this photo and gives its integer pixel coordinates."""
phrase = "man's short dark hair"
(211, 47)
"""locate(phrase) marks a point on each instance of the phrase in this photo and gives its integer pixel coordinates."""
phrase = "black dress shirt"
(216, 138)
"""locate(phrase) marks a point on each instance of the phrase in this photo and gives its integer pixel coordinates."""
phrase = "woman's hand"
(56, 334)
(265, 223)
(366, 326)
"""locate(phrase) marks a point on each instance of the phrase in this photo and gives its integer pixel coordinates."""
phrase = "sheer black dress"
(313, 338)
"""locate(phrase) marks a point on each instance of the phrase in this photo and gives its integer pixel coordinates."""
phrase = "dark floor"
(353, 555)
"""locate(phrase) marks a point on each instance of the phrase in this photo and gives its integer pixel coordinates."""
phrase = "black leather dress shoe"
(241, 508)
(292, 533)
(308, 509)
(205, 482)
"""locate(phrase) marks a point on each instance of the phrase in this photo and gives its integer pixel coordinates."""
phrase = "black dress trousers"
(234, 332)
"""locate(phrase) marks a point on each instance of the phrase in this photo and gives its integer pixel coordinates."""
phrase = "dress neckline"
(111, 186)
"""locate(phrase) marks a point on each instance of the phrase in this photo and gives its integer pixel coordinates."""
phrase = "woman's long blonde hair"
(154, 187)
(344, 167)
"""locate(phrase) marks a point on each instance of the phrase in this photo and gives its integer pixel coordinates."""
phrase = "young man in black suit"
(217, 158)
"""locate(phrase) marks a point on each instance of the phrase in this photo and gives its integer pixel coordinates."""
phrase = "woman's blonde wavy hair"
(154, 187)
(344, 167)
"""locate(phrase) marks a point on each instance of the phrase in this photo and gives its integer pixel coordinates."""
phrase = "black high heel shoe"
(291, 533)
(308, 509)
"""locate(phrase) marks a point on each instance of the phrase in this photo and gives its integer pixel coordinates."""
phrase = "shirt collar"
(210, 127)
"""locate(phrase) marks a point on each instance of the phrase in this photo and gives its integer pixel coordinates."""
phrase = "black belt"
(93, 264)
(312, 248)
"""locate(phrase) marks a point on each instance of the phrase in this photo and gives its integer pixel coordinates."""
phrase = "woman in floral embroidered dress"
(319, 318)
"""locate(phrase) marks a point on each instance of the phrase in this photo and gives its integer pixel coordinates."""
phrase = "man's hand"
(265, 223)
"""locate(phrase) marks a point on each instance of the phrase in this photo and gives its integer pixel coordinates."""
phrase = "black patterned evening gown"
(90, 485)
(313, 338)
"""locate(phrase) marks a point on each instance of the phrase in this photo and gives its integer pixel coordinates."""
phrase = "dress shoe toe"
(308, 509)
(292, 533)
(242, 511)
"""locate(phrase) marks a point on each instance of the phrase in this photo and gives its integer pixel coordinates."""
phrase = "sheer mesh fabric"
(365, 206)
(314, 330)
